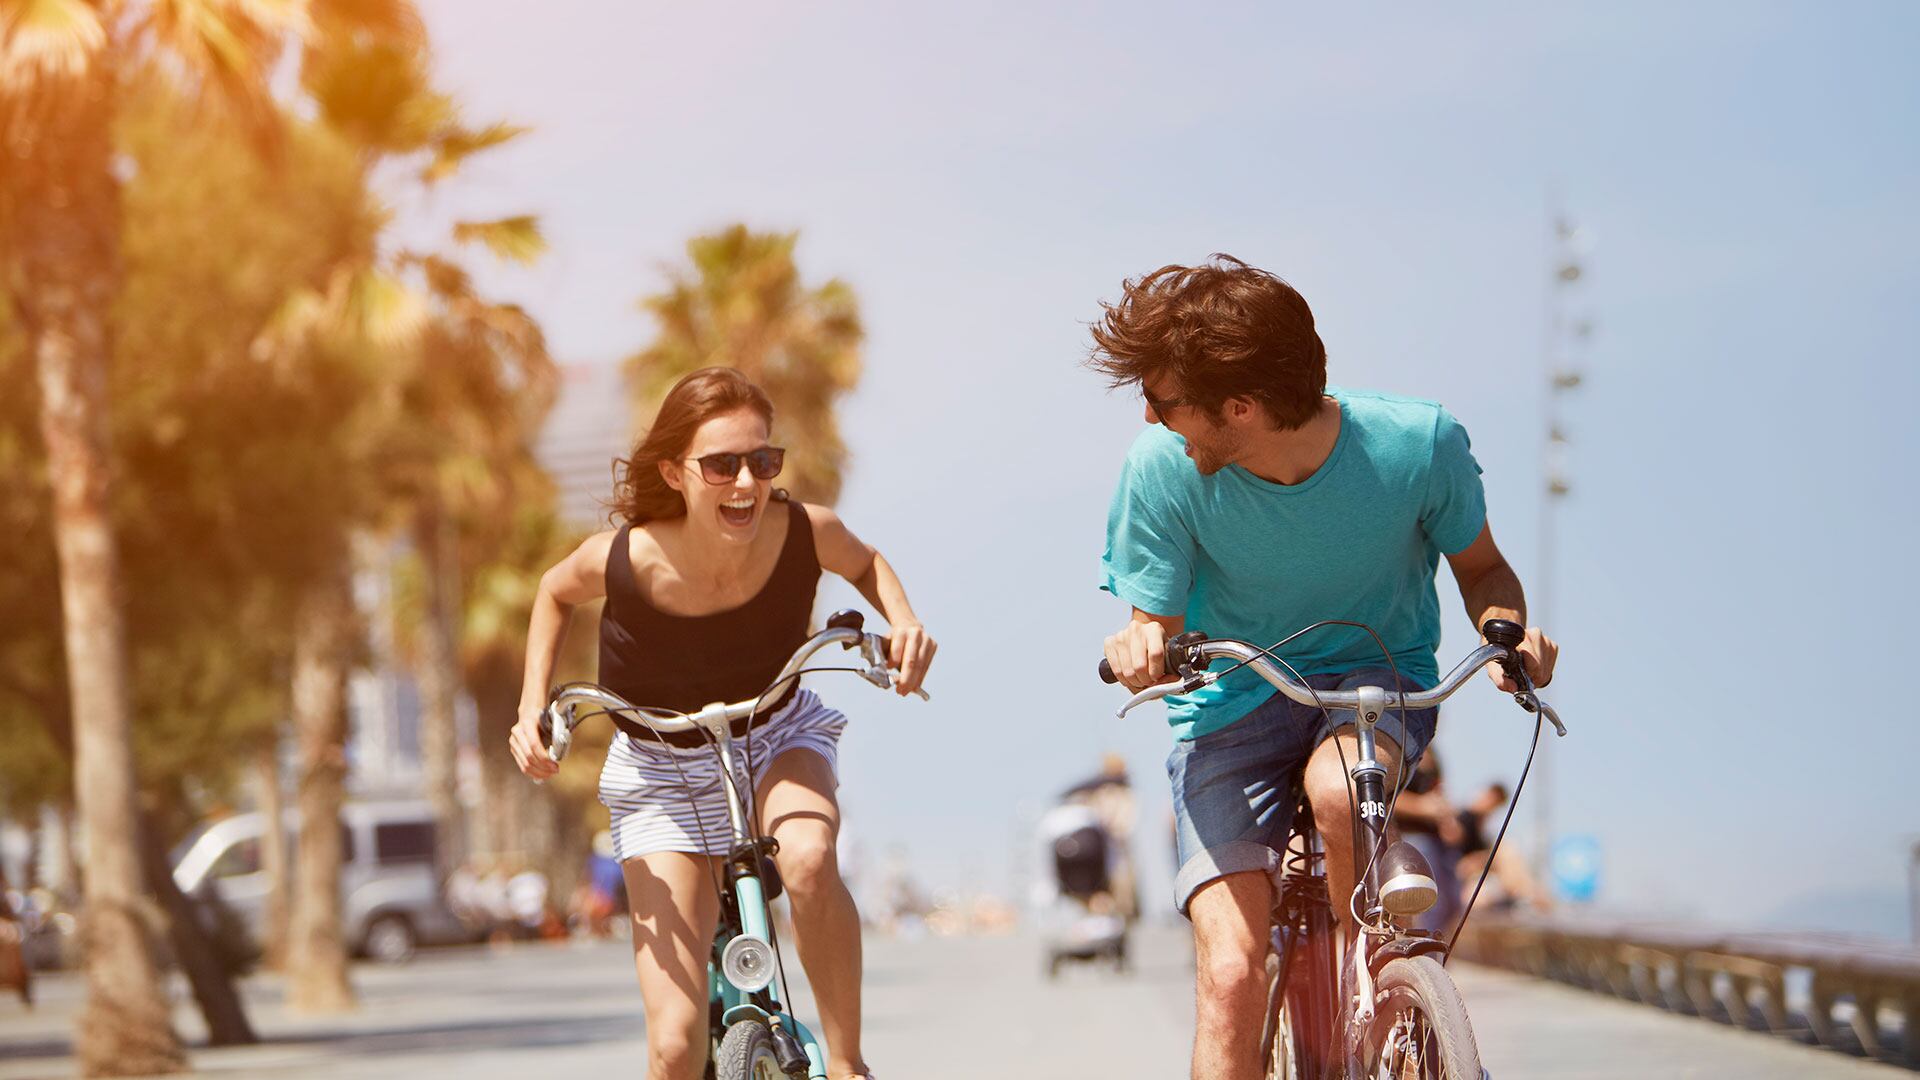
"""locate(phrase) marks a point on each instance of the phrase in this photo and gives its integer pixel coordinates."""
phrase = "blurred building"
(591, 425)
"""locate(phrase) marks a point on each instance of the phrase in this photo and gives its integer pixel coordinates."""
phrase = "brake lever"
(1553, 718)
(878, 673)
(559, 734)
(1528, 696)
(1160, 690)
(562, 734)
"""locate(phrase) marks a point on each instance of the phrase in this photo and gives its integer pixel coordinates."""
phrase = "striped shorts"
(658, 807)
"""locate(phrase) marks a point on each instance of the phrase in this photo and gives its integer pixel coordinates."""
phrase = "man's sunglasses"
(1161, 406)
(764, 464)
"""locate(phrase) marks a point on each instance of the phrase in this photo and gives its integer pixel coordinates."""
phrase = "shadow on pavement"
(465, 1036)
(49, 1046)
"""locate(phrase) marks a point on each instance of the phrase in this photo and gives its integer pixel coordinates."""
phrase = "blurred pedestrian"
(527, 893)
(1109, 794)
(13, 953)
(1428, 821)
(606, 887)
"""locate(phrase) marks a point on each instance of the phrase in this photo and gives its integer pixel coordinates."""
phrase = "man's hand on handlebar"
(529, 752)
(1138, 653)
(1538, 652)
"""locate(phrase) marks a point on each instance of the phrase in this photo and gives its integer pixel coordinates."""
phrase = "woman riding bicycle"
(709, 587)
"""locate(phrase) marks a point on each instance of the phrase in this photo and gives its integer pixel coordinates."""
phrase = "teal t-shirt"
(1244, 558)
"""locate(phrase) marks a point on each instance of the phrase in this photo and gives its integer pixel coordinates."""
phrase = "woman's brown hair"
(1219, 330)
(640, 493)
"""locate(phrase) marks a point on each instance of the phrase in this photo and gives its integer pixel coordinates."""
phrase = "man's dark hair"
(1219, 330)
(1499, 790)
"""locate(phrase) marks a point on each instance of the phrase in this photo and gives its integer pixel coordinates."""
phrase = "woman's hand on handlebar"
(1538, 652)
(1138, 653)
(910, 651)
(529, 751)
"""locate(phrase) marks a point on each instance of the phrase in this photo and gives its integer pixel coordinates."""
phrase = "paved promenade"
(938, 1009)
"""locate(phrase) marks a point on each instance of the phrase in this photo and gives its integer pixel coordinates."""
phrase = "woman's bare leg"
(674, 913)
(798, 808)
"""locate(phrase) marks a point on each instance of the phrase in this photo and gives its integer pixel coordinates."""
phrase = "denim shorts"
(1235, 790)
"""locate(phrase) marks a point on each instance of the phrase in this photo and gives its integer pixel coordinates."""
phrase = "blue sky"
(1734, 586)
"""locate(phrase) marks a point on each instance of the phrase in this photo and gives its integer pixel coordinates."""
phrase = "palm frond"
(231, 46)
(228, 41)
(456, 144)
(446, 279)
(376, 93)
(381, 309)
(516, 239)
(394, 21)
(47, 39)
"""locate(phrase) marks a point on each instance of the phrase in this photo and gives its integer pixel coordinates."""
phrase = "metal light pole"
(1913, 891)
(1566, 335)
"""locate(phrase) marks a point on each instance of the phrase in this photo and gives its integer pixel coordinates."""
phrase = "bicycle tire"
(1283, 1043)
(747, 1054)
(1420, 1027)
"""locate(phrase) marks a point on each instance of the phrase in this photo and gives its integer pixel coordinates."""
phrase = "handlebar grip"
(1504, 633)
(1106, 673)
(1508, 635)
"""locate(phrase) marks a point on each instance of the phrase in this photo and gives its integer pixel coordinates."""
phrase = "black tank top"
(686, 662)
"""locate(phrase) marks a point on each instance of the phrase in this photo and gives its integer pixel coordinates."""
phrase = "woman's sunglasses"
(763, 463)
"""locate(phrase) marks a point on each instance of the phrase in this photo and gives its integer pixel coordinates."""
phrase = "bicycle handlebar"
(843, 629)
(1194, 654)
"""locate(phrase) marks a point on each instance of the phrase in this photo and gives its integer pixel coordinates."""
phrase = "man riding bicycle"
(1259, 501)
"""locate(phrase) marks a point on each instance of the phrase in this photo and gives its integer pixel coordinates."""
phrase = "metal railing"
(1837, 990)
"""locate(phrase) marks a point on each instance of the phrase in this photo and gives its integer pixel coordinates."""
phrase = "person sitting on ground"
(1516, 882)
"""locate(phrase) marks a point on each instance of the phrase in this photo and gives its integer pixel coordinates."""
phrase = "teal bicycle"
(753, 1035)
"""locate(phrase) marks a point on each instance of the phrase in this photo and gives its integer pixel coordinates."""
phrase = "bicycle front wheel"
(1419, 1029)
(1287, 1039)
(747, 1054)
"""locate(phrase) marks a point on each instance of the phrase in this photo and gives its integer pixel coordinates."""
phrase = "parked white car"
(391, 900)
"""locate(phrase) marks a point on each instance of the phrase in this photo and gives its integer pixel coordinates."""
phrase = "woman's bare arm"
(845, 554)
(574, 580)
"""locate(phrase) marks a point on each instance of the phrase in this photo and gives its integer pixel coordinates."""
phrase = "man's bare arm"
(1491, 590)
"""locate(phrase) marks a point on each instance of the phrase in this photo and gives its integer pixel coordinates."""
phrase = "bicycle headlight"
(747, 963)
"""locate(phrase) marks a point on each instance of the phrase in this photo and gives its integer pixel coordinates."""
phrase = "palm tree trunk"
(496, 699)
(209, 968)
(273, 857)
(440, 685)
(61, 274)
(317, 950)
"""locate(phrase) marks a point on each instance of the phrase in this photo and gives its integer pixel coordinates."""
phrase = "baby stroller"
(1079, 919)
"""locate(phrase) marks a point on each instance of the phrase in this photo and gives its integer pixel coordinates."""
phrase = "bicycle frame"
(745, 969)
(1339, 1004)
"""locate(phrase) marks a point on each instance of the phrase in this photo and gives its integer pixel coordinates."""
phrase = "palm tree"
(741, 304)
(449, 383)
(482, 388)
(61, 63)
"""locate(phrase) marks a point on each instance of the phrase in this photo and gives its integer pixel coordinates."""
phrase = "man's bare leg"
(1333, 811)
(1232, 919)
